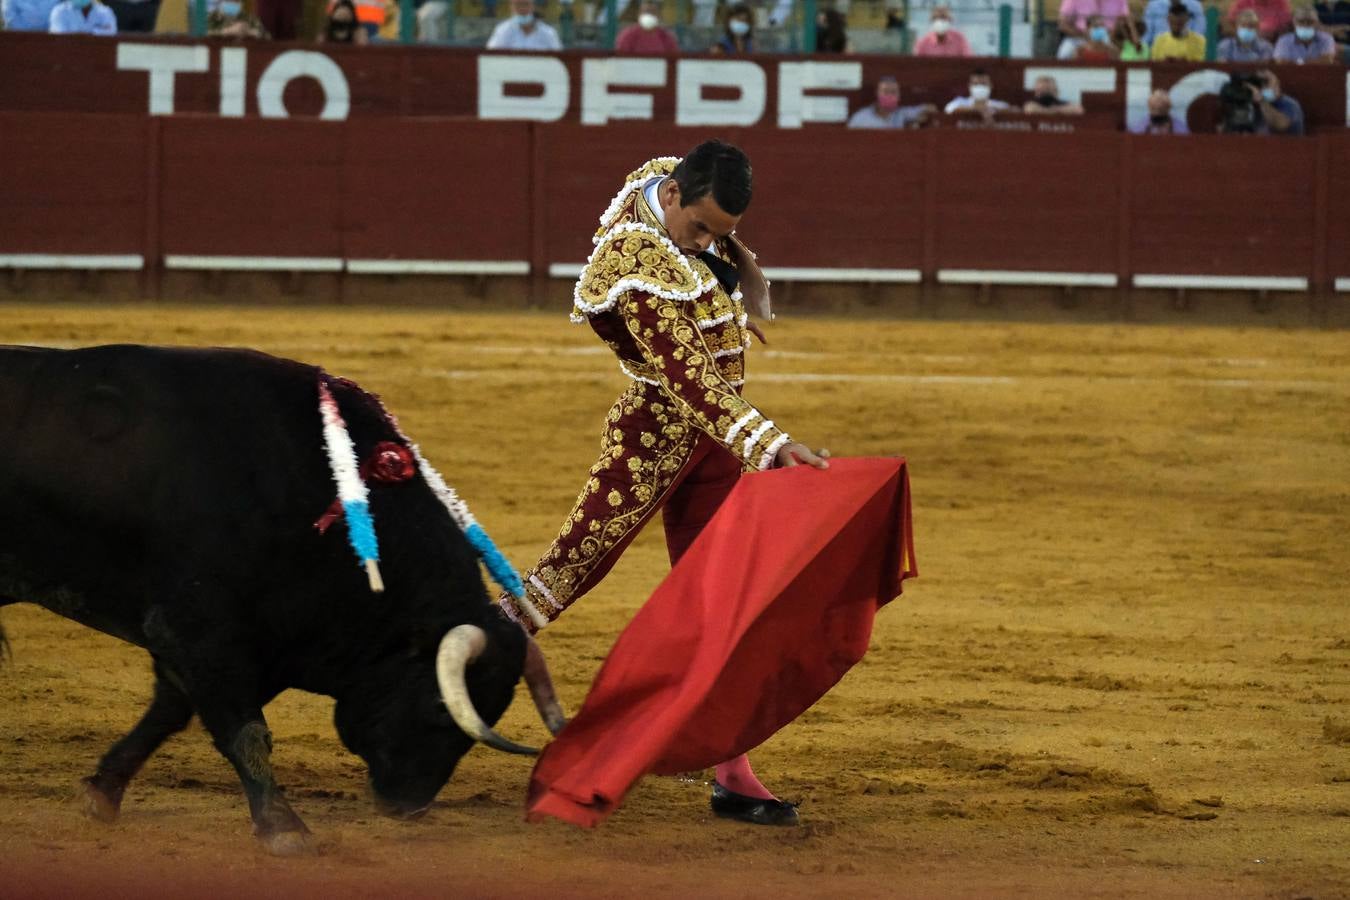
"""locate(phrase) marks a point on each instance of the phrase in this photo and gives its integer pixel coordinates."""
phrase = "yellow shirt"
(1190, 47)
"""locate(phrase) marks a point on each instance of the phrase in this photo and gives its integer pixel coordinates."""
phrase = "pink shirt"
(656, 42)
(1077, 11)
(953, 43)
(1273, 15)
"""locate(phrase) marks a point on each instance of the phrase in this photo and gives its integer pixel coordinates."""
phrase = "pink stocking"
(736, 775)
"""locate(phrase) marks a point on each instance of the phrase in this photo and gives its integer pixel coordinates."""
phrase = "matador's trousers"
(650, 459)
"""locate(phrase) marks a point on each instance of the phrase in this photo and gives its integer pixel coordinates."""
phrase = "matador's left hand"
(756, 331)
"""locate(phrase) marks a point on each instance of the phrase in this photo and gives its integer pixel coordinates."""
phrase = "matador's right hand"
(795, 454)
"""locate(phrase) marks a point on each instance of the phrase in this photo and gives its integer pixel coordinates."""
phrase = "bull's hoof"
(99, 805)
(288, 843)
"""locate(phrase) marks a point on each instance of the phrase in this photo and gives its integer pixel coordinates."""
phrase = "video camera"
(1237, 109)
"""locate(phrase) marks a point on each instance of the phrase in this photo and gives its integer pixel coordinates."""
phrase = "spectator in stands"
(1073, 21)
(433, 20)
(1306, 43)
(1246, 44)
(1274, 15)
(738, 35)
(1098, 46)
(1276, 112)
(980, 100)
(886, 111)
(341, 27)
(942, 39)
(524, 31)
(226, 18)
(1156, 13)
(832, 32)
(1179, 42)
(1160, 118)
(1129, 38)
(82, 17)
(646, 36)
(27, 15)
(1045, 100)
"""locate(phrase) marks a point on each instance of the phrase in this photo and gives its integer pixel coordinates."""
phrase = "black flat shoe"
(731, 805)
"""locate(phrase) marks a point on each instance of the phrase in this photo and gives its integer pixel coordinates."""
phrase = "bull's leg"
(169, 713)
(244, 740)
(212, 659)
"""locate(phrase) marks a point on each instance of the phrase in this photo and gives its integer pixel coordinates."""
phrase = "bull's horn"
(459, 648)
(540, 684)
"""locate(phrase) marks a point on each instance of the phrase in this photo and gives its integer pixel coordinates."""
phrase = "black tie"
(724, 271)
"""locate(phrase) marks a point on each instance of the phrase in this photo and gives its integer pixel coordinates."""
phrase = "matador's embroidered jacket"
(671, 323)
(682, 339)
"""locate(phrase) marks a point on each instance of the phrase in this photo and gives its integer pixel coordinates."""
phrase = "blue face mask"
(1305, 32)
(230, 8)
(1100, 35)
(523, 20)
(739, 27)
(1246, 35)
(81, 4)
(1267, 95)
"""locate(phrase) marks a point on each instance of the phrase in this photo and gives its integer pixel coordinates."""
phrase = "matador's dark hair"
(716, 168)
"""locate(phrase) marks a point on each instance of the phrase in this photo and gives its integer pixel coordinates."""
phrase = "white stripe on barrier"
(128, 261)
(1008, 276)
(891, 276)
(1222, 282)
(438, 267)
(255, 263)
(565, 270)
(1343, 284)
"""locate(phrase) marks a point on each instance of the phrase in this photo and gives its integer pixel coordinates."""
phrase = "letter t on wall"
(163, 62)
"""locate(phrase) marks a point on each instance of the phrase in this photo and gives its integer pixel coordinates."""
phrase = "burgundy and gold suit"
(681, 434)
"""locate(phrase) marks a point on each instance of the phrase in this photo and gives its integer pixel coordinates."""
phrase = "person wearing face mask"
(1074, 16)
(1306, 43)
(1160, 118)
(1155, 18)
(738, 37)
(1098, 46)
(341, 26)
(82, 17)
(1045, 100)
(226, 18)
(646, 37)
(942, 39)
(886, 111)
(1246, 45)
(980, 100)
(1274, 16)
(1276, 112)
(524, 31)
(1179, 42)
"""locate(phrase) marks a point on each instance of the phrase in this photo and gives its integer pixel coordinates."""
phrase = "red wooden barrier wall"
(469, 190)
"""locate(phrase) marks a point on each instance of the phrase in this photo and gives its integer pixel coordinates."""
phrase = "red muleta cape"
(767, 610)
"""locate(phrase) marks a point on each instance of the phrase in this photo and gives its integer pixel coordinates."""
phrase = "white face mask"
(980, 91)
(648, 21)
(1305, 32)
(941, 26)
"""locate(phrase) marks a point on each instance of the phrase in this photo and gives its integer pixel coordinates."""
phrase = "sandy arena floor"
(1124, 672)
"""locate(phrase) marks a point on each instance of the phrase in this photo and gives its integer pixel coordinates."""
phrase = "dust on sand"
(1125, 670)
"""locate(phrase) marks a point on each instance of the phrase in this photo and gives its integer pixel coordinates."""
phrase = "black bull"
(168, 497)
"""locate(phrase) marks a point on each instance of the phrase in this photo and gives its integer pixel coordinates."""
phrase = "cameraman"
(1273, 111)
